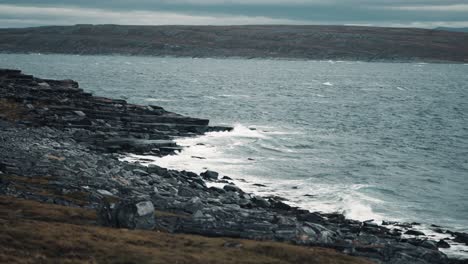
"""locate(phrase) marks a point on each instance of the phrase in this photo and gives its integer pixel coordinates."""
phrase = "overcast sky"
(400, 13)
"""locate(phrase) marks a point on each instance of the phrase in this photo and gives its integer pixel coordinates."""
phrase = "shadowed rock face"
(303, 42)
(45, 157)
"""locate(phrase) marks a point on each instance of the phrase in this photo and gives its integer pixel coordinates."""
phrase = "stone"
(461, 237)
(429, 244)
(80, 113)
(136, 215)
(140, 172)
(187, 192)
(414, 233)
(232, 244)
(128, 213)
(198, 214)
(232, 188)
(44, 85)
(310, 233)
(443, 244)
(260, 202)
(210, 175)
(105, 192)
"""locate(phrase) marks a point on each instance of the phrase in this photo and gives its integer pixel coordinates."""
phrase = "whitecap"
(234, 95)
(328, 84)
(158, 100)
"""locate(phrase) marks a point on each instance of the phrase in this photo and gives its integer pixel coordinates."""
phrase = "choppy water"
(372, 140)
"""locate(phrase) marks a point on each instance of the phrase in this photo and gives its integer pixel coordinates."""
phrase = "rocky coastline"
(61, 145)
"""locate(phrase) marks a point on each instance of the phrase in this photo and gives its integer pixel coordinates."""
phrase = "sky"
(395, 13)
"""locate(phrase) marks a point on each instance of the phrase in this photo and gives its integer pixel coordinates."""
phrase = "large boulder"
(132, 213)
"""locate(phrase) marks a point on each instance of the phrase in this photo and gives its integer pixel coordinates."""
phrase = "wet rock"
(260, 202)
(389, 223)
(429, 244)
(210, 175)
(414, 233)
(461, 237)
(310, 217)
(232, 188)
(443, 244)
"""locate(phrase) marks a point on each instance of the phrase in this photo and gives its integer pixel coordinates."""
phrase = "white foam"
(327, 84)
(158, 100)
(234, 95)
(222, 152)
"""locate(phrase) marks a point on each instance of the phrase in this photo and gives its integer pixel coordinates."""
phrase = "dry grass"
(11, 110)
(40, 186)
(31, 232)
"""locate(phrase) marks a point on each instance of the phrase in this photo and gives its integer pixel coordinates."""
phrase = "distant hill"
(453, 29)
(272, 41)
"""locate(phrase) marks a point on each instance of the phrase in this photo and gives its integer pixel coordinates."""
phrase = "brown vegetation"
(31, 232)
(39, 186)
(11, 110)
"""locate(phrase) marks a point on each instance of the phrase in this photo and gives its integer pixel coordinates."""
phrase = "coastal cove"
(375, 141)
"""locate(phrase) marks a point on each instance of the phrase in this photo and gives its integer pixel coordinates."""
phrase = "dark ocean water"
(371, 140)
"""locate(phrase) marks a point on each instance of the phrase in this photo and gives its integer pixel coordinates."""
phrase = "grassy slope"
(32, 232)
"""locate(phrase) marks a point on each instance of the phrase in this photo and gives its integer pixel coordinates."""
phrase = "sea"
(371, 140)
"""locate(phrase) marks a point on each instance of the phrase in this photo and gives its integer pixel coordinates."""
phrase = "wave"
(234, 95)
(245, 154)
(158, 100)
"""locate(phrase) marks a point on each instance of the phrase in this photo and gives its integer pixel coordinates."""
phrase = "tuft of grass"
(11, 110)
(32, 232)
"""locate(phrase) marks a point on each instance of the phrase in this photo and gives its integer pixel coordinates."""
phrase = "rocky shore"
(63, 146)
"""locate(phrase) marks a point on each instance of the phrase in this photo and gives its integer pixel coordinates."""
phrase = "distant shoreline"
(242, 58)
(346, 43)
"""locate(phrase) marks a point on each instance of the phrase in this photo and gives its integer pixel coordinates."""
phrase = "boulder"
(443, 244)
(260, 202)
(232, 188)
(132, 213)
(461, 237)
(210, 175)
(414, 233)
(314, 234)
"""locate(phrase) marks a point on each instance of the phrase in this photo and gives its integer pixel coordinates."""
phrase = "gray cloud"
(406, 13)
